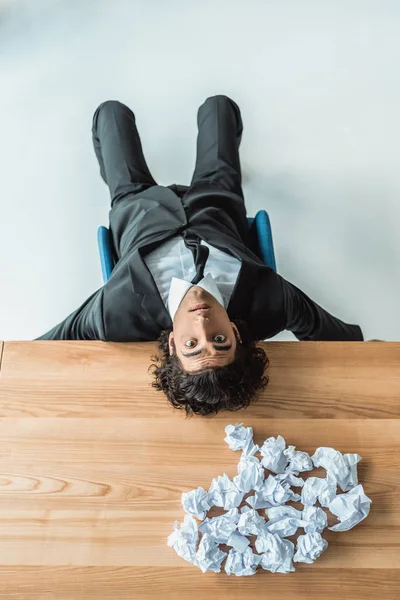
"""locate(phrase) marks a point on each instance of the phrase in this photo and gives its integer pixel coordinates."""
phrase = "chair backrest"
(261, 226)
(105, 251)
(260, 235)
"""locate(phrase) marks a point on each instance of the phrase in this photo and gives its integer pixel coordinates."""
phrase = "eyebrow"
(197, 352)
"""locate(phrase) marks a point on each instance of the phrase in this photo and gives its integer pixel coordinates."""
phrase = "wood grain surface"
(93, 463)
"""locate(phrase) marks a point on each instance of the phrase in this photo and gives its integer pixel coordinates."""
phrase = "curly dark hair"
(221, 388)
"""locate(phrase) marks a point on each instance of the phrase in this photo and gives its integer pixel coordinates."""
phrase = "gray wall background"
(318, 85)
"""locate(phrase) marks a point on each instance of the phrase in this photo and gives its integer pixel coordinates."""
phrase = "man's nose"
(202, 324)
(201, 318)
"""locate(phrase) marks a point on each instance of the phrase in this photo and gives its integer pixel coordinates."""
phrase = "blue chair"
(260, 236)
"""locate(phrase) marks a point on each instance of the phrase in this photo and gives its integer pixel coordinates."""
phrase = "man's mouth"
(201, 306)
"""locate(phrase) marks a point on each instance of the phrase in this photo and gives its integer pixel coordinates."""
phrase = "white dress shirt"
(172, 268)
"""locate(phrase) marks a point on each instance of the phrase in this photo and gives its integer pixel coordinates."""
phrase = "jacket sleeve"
(85, 323)
(309, 321)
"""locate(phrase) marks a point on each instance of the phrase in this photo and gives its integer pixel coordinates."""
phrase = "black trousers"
(124, 169)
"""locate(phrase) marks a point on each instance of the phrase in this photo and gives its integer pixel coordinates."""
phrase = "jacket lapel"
(144, 286)
(241, 298)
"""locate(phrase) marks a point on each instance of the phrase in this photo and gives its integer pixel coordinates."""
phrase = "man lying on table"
(185, 275)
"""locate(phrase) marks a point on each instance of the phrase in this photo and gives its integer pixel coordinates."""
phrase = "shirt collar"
(180, 287)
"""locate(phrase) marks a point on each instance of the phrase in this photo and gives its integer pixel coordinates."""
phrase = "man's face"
(203, 337)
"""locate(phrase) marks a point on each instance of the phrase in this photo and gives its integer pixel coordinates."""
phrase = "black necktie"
(199, 251)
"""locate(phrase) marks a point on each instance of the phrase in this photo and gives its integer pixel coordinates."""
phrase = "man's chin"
(199, 292)
(196, 295)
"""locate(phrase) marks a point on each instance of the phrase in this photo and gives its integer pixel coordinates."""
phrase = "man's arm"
(309, 321)
(85, 323)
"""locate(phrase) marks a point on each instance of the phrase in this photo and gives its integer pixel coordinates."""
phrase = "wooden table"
(93, 463)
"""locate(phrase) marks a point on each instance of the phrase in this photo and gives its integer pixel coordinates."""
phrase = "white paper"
(238, 541)
(272, 451)
(273, 493)
(208, 556)
(196, 503)
(278, 512)
(184, 538)
(343, 467)
(350, 508)
(221, 527)
(298, 461)
(239, 437)
(285, 526)
(250, 522)
(290, 477)
(315, 518)
(251, 474)
(318, 488)
(277, 553)
(284, 520)
(223, 492)
(309, 547)
(242, 563)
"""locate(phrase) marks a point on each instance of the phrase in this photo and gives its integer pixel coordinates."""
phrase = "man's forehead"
(208, 364)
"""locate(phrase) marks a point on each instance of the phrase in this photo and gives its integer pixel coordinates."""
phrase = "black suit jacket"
(129, 307)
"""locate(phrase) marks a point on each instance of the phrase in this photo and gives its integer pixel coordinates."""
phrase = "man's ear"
(171, 343)
(235, 329)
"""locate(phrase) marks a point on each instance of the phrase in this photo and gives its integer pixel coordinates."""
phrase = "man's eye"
(218, 339)
(190, 344)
